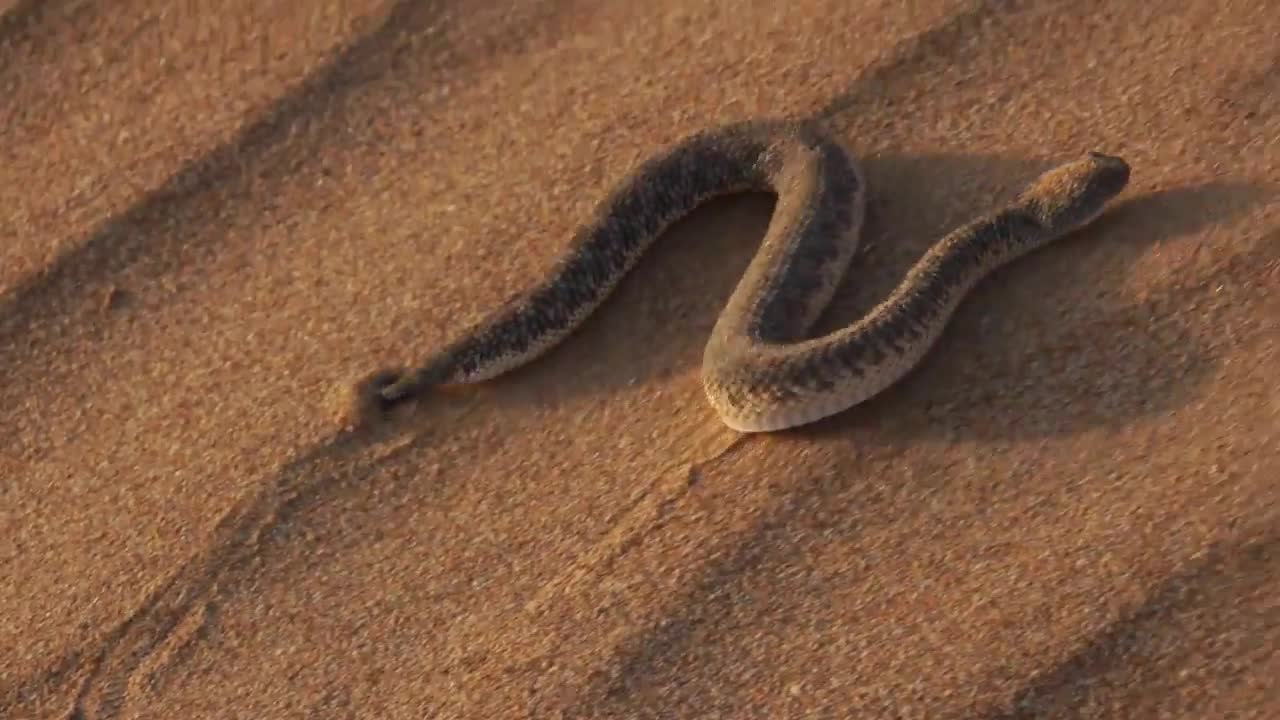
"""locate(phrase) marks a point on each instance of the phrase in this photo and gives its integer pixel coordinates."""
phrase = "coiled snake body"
(760, 370)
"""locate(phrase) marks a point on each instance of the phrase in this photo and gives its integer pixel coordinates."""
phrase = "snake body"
(761, 372)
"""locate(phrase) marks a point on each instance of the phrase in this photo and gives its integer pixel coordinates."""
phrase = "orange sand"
(214, 214)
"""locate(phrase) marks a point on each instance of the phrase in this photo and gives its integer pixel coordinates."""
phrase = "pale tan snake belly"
(761, 372)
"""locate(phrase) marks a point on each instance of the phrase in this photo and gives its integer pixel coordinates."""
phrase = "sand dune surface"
(215, 214)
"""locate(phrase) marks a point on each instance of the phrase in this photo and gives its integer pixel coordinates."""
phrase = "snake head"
(1071, 195)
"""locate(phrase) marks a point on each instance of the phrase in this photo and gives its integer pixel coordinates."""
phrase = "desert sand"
(216, 214)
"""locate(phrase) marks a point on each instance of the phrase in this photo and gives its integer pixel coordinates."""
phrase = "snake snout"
(1110, 172)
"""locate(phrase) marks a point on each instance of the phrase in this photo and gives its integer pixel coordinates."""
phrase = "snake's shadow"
(1058, 341)
(1059, 309)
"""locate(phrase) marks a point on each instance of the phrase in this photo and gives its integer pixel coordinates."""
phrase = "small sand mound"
(360, 404)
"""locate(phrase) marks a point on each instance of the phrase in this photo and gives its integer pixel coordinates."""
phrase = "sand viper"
(761, 372)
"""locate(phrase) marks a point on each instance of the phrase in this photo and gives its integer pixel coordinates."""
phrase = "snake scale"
(761, 371)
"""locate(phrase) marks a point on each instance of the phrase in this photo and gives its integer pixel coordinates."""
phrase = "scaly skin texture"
(760, 370)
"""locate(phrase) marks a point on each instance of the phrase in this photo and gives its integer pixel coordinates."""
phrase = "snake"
(762, 370)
